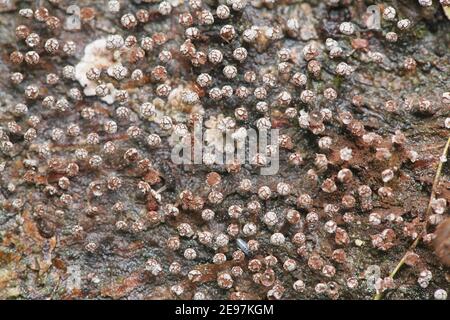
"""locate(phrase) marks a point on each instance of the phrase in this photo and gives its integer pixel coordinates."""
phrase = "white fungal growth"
(96, 55)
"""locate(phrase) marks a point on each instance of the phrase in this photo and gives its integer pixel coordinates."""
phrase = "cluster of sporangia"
(97, 138)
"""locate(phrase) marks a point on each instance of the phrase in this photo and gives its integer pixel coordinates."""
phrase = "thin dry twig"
(442, 160)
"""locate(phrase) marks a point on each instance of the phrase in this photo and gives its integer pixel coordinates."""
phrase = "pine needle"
(442, 160)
